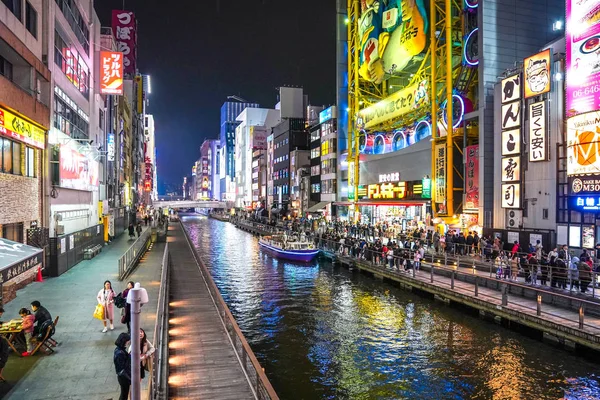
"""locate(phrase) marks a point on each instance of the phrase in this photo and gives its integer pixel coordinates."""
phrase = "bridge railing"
(254, 372)
(132, 256)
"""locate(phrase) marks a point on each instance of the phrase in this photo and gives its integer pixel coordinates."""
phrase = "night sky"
(198, 52)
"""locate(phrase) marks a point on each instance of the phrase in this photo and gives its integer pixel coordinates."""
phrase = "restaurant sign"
(537, 132)
(582, 185)
(392, 191)
(17, 258)
(17, 128)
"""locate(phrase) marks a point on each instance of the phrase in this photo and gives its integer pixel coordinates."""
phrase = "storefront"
(18, 267)
(21, 145)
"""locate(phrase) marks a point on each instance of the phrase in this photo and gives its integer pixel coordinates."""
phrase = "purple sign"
(583, 56)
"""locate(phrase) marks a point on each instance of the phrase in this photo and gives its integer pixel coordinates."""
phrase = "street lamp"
(136, 297)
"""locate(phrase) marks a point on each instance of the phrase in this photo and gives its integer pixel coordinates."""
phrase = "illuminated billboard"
(111, 72)
(125, 29)
(536, 73)
(77, 171)
(391, 33)
(583, 144)
(583, 49)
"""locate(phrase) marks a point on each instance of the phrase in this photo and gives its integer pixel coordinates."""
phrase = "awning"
(17, 258)
(319, 206)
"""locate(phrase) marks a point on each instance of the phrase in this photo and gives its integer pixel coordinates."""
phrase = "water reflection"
(327, 333)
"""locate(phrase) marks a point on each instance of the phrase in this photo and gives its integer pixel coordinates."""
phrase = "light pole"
(136, 297)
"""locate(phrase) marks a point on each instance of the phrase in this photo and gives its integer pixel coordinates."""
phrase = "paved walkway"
(82, 366)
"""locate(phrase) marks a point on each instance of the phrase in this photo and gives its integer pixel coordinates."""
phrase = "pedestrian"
(417, 259)
(41, 315)
(146, 351)
(27, 326)
(138, 229)
(122, 362)
(585, 275)
(514, 267)
(4, 352)
(105, 298)
(131, 230)
(126, 317)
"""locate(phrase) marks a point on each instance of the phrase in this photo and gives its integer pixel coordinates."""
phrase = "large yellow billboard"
(391, 34)
(15, 127)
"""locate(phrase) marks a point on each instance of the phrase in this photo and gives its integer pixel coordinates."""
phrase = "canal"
(323, 332)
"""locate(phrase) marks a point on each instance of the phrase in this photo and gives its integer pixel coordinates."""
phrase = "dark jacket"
(122, 362)
(585, 272)
(42, 315)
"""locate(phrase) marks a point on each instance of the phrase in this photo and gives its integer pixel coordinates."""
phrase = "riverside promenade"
(82, 365)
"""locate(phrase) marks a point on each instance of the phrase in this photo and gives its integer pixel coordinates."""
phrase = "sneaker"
(112, 328)
(105, 330)
(25, 354)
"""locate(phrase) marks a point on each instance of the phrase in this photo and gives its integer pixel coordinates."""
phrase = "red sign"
(147, 185)
(111, 72)
(472, 181)
(77, 171)
(124, 28)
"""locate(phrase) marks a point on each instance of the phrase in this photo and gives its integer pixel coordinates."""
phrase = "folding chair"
(46, 343)
(50, 341)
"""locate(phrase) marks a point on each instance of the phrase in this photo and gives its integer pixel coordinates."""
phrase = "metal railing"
(158, 387)
(131, 257)
(394, 265)
(257, 378)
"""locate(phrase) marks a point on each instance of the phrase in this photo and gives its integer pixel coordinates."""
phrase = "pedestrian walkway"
(82, 365)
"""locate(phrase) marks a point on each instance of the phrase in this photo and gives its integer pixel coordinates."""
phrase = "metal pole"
(135, 342)
(450, 124)
(539, 304)
(476, 286)
(581, 316)
(452, 280)
(431, 271)
(433, 99)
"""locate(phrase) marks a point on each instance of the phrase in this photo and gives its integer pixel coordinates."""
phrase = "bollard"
(431, 271)
(505, 295)
(452, 280)
(581, 315)
(476, 286)
(539, 304)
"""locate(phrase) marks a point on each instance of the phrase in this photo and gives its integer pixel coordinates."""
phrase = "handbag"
(99, 312)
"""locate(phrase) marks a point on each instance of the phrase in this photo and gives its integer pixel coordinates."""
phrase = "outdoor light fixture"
(346, 21)
(557, 25)
(558, 77)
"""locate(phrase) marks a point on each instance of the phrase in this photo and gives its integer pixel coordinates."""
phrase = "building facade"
(324, 162)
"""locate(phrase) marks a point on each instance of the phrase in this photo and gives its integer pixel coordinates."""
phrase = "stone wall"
(20, 199)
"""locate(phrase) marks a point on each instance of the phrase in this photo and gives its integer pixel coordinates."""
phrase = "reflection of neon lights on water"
(470, 62)
(462, 111)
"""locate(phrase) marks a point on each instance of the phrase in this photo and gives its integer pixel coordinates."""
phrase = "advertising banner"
(439, 176)
(17, 128)
(110, 147)
(111, 72)
(77, 171)
(580, 185)
(537, 132)
(259, 138)
(536, 71)
(124, 28)
(399, 103)
(472, 184)
(583, 144)
(583, 66)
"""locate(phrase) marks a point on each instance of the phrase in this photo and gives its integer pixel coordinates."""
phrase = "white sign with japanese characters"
(511, 169)
(511, 89)
(511, 115)
(511, 195)
(511, 142)
(537, 132)
(391, 177)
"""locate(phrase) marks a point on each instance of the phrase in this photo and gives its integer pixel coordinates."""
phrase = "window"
(325, 148)
(315, 188)
(16, 158)
(10, 158)
(15, 7)
(29, 162)
(31, 19)
(6, 69)
(101, 119)
(71, 64)
(76, 21)
(13, 232)
(68, 120)
(7, 159)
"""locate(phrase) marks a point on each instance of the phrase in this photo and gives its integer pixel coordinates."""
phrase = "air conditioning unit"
(514, 219)
(60, 230)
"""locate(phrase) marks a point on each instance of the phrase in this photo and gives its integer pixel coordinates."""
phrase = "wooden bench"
(91, 251)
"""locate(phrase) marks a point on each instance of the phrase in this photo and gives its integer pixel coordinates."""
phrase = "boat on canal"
(293, 248)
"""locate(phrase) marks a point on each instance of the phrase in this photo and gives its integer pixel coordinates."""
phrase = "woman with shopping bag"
(105, 299)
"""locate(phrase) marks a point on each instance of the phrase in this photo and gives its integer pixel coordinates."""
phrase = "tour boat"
(289, 248)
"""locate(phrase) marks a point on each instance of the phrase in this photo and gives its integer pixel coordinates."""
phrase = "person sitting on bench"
(41, 315)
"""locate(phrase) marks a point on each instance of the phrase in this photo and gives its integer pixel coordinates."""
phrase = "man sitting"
(41, 315)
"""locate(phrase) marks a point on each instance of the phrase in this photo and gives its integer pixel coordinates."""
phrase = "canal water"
(323, 332)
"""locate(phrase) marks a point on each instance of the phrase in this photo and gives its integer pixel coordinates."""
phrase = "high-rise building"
(323, 162)
(229, 113)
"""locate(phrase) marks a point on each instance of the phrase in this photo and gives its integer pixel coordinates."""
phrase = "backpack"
(43, 328)
(120, 301)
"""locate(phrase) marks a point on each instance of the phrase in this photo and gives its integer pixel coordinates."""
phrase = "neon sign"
(586, 203)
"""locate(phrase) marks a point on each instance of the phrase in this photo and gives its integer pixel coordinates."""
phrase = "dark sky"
(200, 51)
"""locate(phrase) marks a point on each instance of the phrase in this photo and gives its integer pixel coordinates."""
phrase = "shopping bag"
(99, 312)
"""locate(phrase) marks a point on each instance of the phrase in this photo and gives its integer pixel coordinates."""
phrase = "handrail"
(130, 258)
(255, 374)
(158, 388)
(455, 272)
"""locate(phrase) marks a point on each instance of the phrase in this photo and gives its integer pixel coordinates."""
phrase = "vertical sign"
(440, 173)
(536, 70)
(582, 68)
(472, 186)
(511, 141)
(537, 132)
(110, 147)
(111, 72)
(124, 29)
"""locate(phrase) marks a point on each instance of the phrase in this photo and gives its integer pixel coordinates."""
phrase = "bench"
(91, 251)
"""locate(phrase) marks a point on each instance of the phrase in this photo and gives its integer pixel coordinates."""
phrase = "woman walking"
(122, 362)
(105, 298)
(126, 319)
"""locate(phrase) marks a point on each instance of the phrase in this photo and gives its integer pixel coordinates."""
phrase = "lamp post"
(136, 297)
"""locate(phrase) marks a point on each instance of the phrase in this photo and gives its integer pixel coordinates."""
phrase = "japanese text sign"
(511, 115)
(583, 144)
(472, 180)
(586, 203)
(536, 70)
(581, 185)
(391, 177)
(582, 68)
(111, 72)
(124, 28)
(537, 132)
(511, 195)
(511, 169)
(511, 89)
(511, 142)
(439, 176)
(17, 128)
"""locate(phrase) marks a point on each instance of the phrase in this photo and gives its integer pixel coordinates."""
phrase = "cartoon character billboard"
(537, 74)
(391, 33)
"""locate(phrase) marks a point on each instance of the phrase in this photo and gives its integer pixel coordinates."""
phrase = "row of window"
(68, 121)
(329, 166)
(282, 143)
(282, 158)
(76, 21)
(315, 135)
(315, 170)
(329, 186)
(315, 188)
(17, 158)
(71, 64)
(12, 232)
(314, 153)
(281, 174)
(283, 189)
(6, 69)
(16, 7)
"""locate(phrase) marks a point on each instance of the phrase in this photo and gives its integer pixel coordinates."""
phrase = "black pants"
(125, 385)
